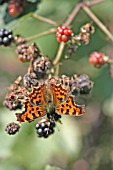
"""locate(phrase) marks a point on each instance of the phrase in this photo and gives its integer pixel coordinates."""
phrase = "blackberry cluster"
(30, 79)
(27, 52)
(53, 116)
(45, 128)
(12, 102)
(42, 64)
(6, 37)
(84, 84)
(12, 128)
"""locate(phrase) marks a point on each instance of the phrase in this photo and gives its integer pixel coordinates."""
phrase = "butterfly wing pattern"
(65, 104)
(37, 101)
(34, 106)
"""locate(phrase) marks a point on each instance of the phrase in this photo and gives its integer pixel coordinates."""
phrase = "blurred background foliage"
(83, 143)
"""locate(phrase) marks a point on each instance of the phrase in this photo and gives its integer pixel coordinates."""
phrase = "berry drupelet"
(6, 37)
(45, 128)
(63, 33)
(12, 128)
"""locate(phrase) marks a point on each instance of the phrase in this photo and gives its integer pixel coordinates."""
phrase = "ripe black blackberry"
(12, 128)
(53, 116)
(6, 37)
(45, 128)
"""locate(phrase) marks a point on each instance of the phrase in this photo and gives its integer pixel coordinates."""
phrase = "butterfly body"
(47, 98)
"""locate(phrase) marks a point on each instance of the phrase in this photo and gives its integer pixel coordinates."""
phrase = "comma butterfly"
(47, 97)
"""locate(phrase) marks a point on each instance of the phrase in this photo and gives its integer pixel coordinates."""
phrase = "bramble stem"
(98, 22)
(77, 9)
(51, 31)
(44, 19)
(69, 20)
(59, 53)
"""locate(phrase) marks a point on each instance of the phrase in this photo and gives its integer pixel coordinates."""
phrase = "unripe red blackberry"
(12, 128)
(98, 59)
(16, 7)
(6, 37)
(63, 33)
(45, 128)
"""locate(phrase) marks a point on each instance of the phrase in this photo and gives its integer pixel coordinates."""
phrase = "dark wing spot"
(32, 109)
(37, 108)
(62, 110)
(39, 113)
(67, 111)
(60, 99)
(28, 119)
(34, 116)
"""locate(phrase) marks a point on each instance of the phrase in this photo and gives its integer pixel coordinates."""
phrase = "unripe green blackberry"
(6, 37)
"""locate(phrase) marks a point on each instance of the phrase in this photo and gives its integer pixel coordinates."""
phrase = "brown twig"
(44, 19)
(77, 9)
(51, 31)
(59, 53)
(98, 22)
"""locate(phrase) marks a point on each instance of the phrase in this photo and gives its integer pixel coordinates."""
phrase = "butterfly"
(48, 97)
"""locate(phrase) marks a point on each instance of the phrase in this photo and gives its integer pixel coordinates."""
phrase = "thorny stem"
(51, 31)
(49, 21)
(98, 22)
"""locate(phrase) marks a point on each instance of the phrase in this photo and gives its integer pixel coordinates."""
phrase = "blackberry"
(42, 64)
(12, 128)
(11, 102)
(30, 79)
(45, 128)
(6, 37)
(84, 84)
(26, 52)
(53, 116)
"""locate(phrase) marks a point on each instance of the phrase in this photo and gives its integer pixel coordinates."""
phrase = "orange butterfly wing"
(59, 93)
(30, 113)
(34, 107)
(65, 104)
(69, 107)
(36, 97)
